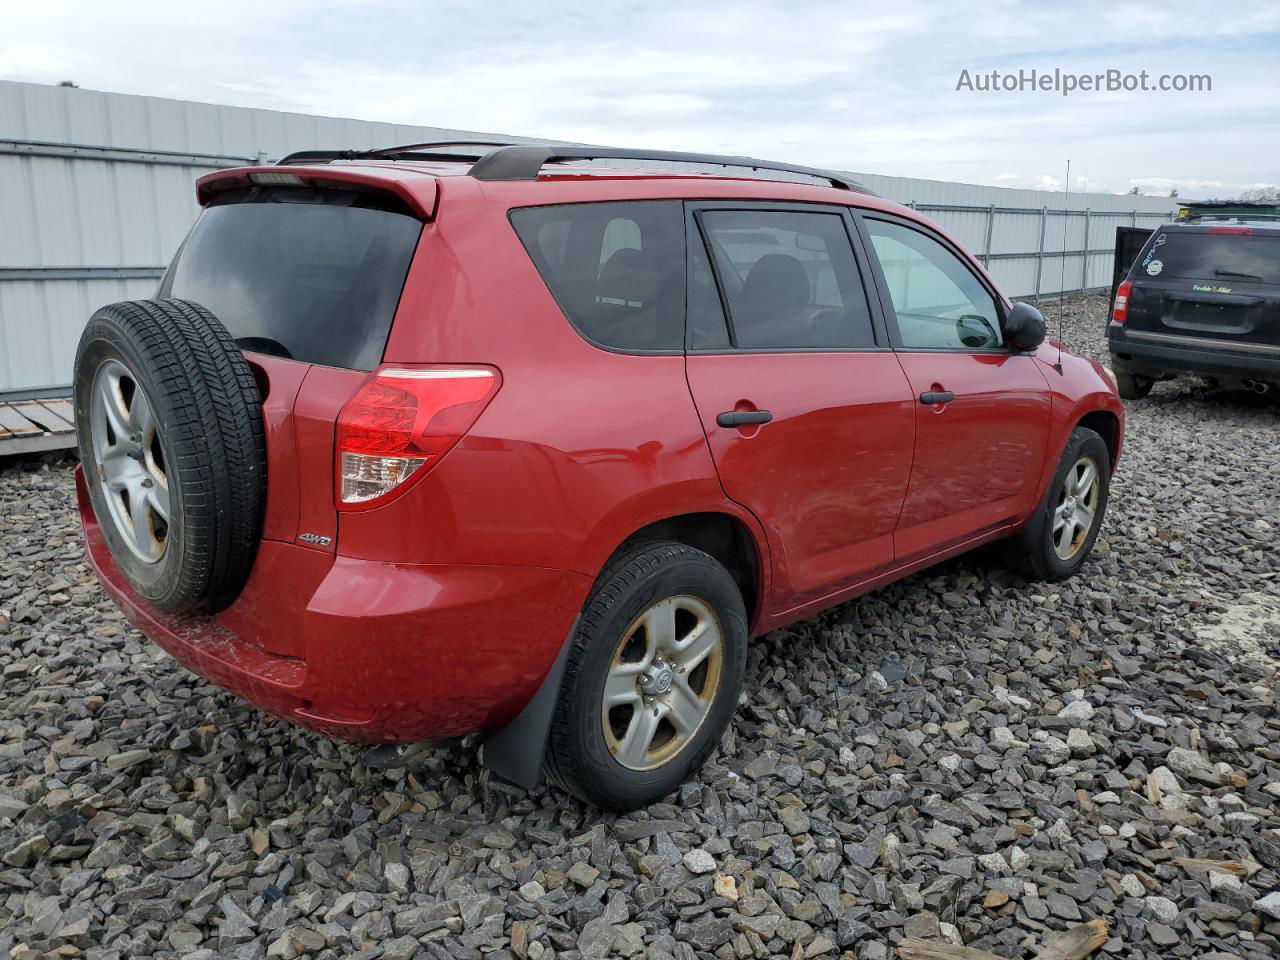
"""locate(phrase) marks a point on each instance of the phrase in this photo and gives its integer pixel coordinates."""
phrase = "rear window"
(308, 275)
(1223, 258)
(615, 269)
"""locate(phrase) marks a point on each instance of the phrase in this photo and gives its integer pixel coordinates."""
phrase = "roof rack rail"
(525, 161)
(429, 150)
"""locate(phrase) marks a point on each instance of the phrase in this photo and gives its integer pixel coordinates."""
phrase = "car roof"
(1207, 225)
(419, 182)
(570, 176)
(496, 162)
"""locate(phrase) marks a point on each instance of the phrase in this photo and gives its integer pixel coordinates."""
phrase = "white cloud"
(837, 83)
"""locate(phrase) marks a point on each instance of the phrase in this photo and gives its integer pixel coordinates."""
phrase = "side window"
(707, 328)
(790, 279)
(616, 269)
(940, 304)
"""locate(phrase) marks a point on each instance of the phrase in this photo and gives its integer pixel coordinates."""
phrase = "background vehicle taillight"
(401, 422)
(1120, 310)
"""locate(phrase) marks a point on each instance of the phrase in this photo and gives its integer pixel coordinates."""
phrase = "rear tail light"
(401, 422)
(1120, 310)
(1233, 231)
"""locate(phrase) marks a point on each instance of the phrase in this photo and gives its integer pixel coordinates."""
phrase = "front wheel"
(1057, 539)
(652, 677)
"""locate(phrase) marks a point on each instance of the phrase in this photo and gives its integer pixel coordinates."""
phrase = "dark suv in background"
(1201, 298)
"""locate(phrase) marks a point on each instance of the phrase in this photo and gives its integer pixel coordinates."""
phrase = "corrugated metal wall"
(1026, 239)
(96, 194)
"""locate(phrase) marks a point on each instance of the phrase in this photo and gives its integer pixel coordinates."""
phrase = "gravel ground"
(962, 756)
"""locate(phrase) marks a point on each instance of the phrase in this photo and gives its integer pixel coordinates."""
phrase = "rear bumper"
(386, 652)
(1155, 358)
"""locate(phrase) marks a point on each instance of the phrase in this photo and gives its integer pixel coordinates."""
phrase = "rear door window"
(1220, 258)
(616, 269)
(310, 275)
(789, 279)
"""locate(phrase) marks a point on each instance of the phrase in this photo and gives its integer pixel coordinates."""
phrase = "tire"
(194, 450)
(650, 578)
(1130, 386)
(1034, 551)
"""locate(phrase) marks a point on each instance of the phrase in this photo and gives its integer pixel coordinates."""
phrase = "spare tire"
(169, 423)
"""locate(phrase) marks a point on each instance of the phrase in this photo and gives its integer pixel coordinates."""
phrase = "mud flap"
(514, 752)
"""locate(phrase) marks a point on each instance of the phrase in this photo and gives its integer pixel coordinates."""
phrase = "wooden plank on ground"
(1076, 943)
(62, 407)
(12, 445)
(1233, 867)
(915, 949)
(42, 413)
(18, 425)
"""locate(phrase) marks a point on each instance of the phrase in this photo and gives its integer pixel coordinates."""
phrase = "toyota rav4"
(449, 438)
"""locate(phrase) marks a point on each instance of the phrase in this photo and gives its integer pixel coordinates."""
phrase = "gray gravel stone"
(699, 861)
(894, 763)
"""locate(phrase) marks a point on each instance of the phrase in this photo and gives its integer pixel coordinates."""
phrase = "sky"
(870, 88)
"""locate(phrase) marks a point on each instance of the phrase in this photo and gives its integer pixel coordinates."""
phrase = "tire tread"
(214, 430)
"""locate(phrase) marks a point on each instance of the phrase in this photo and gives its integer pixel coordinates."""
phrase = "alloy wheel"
(129, 460)
(662, 682)
(1077, 505)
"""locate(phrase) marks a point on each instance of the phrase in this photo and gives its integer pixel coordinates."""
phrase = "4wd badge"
(317, 539)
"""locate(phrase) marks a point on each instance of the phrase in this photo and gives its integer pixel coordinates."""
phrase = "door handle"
(932, 397)
(743, 418)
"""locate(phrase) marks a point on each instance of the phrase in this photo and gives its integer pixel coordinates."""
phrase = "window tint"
(940, 304)
(708, 330)
(790, 279)
(1222, 258)
(615, 269)
(299, 274)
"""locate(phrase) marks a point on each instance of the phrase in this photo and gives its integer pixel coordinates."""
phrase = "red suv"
(474, 437)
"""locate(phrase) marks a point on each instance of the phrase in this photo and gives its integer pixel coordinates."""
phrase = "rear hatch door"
(1209, 284)
(308, 282)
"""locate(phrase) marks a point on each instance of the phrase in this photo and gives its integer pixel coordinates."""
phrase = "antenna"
(1062, 277)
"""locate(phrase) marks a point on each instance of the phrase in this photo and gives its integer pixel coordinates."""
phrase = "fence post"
(1084, 254)
(1133, 218)
(986, 246)
(1044, 220)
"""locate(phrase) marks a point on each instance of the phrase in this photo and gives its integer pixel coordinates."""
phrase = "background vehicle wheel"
(169, 424)
(1130, 386)
(652, 678)
(1059, 536)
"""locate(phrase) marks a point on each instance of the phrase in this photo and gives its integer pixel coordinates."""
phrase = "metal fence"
(96, 194)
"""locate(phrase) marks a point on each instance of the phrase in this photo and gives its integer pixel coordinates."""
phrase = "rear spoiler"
(418, 191)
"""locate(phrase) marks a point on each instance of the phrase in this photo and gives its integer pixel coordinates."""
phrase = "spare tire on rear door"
(169, 422)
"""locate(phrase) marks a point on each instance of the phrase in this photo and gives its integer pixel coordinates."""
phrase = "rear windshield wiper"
(1218, 272)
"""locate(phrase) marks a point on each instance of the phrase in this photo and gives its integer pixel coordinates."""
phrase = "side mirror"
(1023, 328)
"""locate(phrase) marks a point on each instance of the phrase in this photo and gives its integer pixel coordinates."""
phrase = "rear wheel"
(1131, 386)
(1058, 538)
(169, 424)
(652, 678)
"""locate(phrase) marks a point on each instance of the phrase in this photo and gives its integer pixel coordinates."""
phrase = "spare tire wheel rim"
(129, 461)
(1077, 505)
(662, 682)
